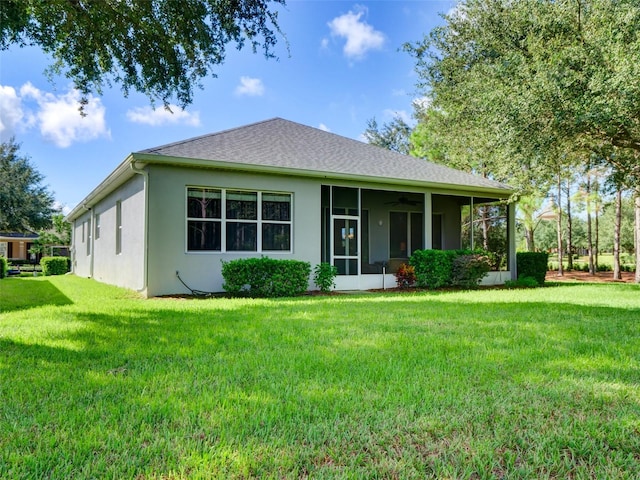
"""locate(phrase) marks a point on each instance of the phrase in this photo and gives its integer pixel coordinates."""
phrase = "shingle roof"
(281, 143)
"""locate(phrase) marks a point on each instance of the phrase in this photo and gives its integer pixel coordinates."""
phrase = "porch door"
(346, 241)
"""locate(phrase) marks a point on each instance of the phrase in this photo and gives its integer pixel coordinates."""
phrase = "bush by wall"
(468, 269)
(532, 264)
(406, 276)
(433, 268)
(265, 277)
(55, 265)
(4, 266)
(324, 276)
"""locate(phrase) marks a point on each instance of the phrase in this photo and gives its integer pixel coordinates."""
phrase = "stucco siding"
(95, 252)
(203, 270)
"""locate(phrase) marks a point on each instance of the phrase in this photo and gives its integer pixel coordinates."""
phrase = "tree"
(25, 204)
(393, 136)
(539, 82)
(58, 235)
(161, 48)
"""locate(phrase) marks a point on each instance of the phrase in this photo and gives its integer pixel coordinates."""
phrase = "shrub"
(532, 264)
(433, 267)
(266, 277)
(4, 266)
(406, 276)
(522, 282)
(468, 269)
(324, 276)
(55, 265)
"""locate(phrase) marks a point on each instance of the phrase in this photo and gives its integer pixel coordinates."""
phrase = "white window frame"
(118, 227)
(259, 222)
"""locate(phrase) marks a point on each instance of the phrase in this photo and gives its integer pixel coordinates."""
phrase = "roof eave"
(158, 159)
(121, 174)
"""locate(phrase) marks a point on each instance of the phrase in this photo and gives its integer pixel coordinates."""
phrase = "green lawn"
(97, 383)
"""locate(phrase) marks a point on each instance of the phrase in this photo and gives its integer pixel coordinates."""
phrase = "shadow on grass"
(24, 293)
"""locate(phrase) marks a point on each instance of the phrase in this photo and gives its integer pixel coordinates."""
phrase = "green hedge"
(266, 277)
(55, 265)
(445, 268)
(4, 266)
(532, 264)
(433, 268)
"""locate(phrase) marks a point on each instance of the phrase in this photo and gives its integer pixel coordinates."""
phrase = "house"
(273, 188)
(15, 246)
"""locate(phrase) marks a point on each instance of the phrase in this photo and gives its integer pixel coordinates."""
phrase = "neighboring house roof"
(18, 236)
(284, 147)
(284, 144)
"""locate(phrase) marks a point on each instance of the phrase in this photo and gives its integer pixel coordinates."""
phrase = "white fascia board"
(120, 175)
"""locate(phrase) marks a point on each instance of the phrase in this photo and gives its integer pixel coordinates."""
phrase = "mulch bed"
(599, 277)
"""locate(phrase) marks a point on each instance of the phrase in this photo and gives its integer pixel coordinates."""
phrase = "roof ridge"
(206, 135)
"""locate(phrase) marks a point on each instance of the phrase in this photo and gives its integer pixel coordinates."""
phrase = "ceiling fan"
(404, 201)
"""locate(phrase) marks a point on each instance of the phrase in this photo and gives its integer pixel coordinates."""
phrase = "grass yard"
(97, 383)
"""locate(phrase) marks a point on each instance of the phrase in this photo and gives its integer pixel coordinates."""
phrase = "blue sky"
(343, 68)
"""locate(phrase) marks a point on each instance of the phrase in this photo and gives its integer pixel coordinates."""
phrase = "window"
(97, 227)
(204, 207)
(118, 227)
(238, 221)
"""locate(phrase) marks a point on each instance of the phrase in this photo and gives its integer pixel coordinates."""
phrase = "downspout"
(145, 261)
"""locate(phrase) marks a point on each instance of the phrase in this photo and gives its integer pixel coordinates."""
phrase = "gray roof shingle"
(281, 143)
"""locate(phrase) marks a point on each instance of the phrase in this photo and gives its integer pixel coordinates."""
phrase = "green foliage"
(324, 275)
(522, 282)
(532, 264)
(55, 265)
(265, 277)
(406, 276)
(159, 48)
(25, 204)
(4, 267)
(433, 268)
(468, 270)
(393, 136)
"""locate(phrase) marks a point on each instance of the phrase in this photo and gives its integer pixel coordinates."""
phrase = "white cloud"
(361, 37)
(58, 118)
(161, 116)
(324, 128)
(11, 113)
(252, 87)
(421, 103)
(389, 113)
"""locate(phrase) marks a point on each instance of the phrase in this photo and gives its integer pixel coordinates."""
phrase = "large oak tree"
(161, 48)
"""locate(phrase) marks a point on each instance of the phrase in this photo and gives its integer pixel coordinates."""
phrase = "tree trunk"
(637, 234)
(589, 229)
(485, 227)
(528, 236)
(617, 275)
(569, 229)
(559, 226)
(596, 211)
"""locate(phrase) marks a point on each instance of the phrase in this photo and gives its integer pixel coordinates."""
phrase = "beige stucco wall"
(125, 269)
(202, 270)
